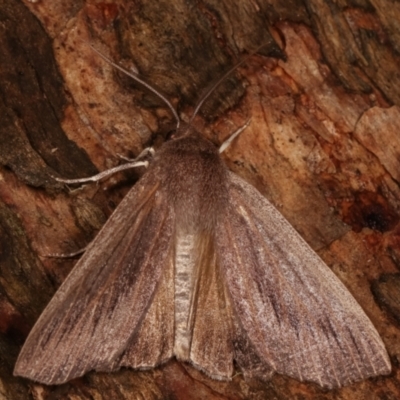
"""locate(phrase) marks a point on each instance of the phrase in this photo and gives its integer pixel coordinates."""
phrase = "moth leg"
(104, 174)
(147, 151)
(66, 255)
(231, 138)
(132, 163)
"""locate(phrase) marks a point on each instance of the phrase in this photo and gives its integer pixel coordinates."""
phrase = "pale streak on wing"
(203, 331)
(185, 265)
(298, 316)
(94, 315)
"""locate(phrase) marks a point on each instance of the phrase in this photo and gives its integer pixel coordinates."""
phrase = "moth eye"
(171, 135)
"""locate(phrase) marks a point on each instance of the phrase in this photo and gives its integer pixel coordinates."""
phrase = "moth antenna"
(142, 82)
(207, 94)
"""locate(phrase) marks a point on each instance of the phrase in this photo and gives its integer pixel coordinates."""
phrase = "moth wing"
(291, 309)
(206, 334)
(211, 348)
(110, 295)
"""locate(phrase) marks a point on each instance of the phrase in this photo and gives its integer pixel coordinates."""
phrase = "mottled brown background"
(323, 145)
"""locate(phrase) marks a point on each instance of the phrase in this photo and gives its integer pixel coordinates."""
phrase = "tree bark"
(323, 146)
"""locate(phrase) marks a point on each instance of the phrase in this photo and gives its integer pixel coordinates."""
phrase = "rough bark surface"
(323, 145)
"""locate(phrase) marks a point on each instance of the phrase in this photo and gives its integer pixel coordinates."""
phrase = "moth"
(196, 264)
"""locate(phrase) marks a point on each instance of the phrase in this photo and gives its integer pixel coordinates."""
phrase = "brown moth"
(196, 264)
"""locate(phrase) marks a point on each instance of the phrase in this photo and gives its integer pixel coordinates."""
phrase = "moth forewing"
(88, 323)
(299, 317)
